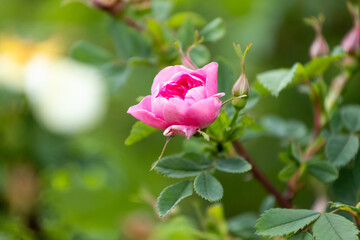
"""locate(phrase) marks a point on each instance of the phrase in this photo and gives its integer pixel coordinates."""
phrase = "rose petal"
(175, 110)
(142, 112)
(203, 112)
(196, 94)
(180, 130)
(211, 78)
(157, 106)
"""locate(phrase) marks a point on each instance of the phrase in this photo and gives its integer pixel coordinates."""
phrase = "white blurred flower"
(67, 97)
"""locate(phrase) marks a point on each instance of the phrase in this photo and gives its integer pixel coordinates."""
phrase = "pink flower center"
(179, 88)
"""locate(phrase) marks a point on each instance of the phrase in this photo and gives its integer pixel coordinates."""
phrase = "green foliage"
(208, 187)
(351, 117)
(336, 123)
(185, 34)
(90, 53)
(318, 66)
(322, 170)
(225, 76)
(178, 19)
(182, 166)
(281, 128)
(214, 30)
(200, 55)
(333, 226)
(243, 225)
(128, 42)
(233, 165)
(138, 132)
(277, 80)
(343, 206)
(340, 149)
(283, 222)
(302, 236)
(172, 195)
(287, 172)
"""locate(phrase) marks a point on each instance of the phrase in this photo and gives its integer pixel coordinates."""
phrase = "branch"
(283, 202)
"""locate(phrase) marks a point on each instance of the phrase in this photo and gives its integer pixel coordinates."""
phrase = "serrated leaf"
(214, 30)
(138, 132)
(302, 236)
(351, 117)
(322, 170)
(208, 187)
(172, 195)
(233, 165)
(334, 227)
(180, 167)
(277, 80)
(178, 19)
(340, 149)
(282, 222)
(90, 53)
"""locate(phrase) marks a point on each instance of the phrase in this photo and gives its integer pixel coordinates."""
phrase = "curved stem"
(236, 114)
(283, 202)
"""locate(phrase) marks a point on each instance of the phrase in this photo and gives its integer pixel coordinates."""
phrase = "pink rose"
(351, 42)
(182, 100)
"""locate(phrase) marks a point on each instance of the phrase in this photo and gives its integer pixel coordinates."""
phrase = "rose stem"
(283, 202)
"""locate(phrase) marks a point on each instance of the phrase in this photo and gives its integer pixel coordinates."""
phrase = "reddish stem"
(283, 202)
(317, 117)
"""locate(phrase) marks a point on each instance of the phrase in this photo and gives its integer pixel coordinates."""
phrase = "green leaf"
(287, 172)
(172, 195)
(346, 188)
(179, 18)
(302, 236)
(319, 65)
(322, 170)
(233, 165)
(208, 187)
(128, 43)
(90, 53)
(216, 130)
(180, 166)
(243, 225)
(200, 55)
(185, 34)
(139, 131)
(340, 149)
(334, 227)
(161, 9)
(214, 30)
(225, 75)
(277, 80)
(282, 222)
(351, 117)
(283, 128)
(336, 123)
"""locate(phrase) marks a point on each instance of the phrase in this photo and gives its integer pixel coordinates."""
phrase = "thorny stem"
(162, 153)
(283, 202)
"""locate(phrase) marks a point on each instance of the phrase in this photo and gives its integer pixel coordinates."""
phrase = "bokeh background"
(85, 183)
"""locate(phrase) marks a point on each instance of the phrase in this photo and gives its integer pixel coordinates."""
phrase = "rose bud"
(182, 100)
(241, 91)
(241, 88)
(319, 47)
(351, 41)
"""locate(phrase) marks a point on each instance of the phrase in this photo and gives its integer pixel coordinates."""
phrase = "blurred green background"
(92, 186)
